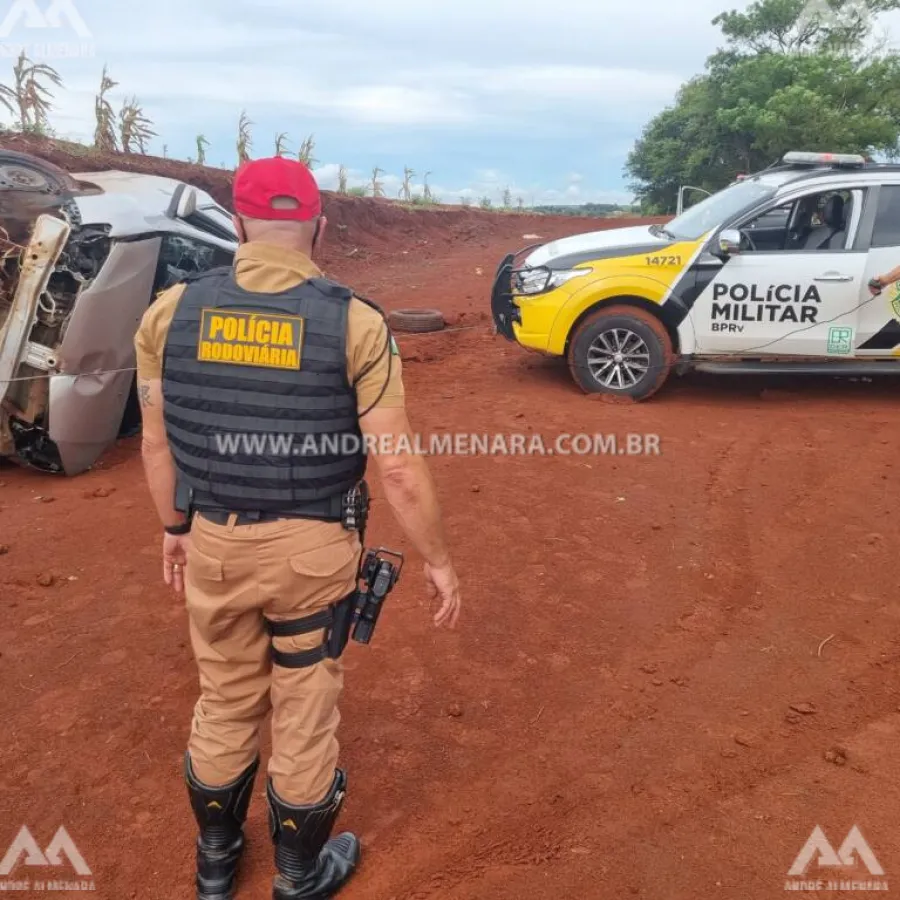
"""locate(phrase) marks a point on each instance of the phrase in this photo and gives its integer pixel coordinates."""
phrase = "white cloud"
(392, 104)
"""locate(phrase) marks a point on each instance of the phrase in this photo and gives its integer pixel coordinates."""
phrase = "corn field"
(29, 100)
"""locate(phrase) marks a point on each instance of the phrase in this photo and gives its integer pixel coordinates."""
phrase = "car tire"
(638, 332)
(416, 321)
(23, 172)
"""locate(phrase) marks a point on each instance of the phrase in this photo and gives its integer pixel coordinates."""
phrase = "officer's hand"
(175, 559)
(441, 582)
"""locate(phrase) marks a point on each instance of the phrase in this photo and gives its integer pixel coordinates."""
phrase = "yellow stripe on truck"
(547, 319)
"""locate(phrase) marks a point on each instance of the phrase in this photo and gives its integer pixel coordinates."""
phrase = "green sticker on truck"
(840, 339)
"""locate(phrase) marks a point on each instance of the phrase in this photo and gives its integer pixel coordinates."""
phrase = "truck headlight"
(542, 279)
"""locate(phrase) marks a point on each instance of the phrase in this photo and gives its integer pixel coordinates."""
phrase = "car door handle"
(834, 276)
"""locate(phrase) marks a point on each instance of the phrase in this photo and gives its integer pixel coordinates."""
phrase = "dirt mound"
(357, 225)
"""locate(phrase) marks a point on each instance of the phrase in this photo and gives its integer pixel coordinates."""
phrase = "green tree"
(793, 75)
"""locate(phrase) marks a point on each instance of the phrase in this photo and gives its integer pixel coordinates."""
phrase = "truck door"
(879, 317)
(798, 295)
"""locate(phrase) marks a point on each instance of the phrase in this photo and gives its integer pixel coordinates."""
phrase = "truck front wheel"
(621, 350)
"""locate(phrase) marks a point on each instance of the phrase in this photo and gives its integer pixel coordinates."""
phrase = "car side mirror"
(729, 242)
(187, 203)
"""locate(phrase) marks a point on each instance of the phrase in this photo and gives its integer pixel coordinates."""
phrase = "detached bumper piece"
(503, 310)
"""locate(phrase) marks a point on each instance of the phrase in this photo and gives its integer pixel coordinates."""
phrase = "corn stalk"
(281, 144)
(244, 141)
(32, 97)
(105, 130)
(7, 97)
(134, 127)
(377, 186)
(202, 144)
(342, 180)
(427, 196)
(306, 152)
(406, 188)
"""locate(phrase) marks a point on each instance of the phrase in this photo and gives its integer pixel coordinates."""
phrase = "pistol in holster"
(377, 577)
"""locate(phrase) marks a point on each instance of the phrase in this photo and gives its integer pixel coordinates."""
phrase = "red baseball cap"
(259, 181)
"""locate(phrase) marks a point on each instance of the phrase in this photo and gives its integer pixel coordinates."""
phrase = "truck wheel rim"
(618, 358)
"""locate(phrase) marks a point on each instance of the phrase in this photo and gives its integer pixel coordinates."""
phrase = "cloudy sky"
(544, 97)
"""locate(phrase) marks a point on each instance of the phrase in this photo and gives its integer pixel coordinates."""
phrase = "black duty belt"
(222, 516)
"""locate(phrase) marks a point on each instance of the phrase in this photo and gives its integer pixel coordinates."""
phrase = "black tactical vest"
(259, 413)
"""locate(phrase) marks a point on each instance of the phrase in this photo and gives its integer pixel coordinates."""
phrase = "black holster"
(337, 621)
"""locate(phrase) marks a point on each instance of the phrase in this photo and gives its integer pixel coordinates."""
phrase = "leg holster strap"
(336, 620)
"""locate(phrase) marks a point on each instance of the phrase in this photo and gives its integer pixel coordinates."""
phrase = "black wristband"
(183, 528)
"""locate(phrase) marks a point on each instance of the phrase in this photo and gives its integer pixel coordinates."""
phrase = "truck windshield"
(710, 213)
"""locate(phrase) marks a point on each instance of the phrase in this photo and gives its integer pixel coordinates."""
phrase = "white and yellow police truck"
(770, 274)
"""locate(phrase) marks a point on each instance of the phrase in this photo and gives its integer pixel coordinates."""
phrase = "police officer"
(261, 387)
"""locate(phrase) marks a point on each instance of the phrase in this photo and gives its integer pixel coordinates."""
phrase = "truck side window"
(887, 222)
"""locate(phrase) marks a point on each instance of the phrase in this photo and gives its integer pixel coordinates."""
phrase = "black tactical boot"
(220, 813)
(310, 866)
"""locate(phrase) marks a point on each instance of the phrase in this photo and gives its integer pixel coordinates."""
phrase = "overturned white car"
(81, 258)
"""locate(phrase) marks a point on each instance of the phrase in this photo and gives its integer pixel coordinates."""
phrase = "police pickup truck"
(770, 274)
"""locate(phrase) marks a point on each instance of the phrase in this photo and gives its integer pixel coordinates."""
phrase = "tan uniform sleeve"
(150, 339)
(373, 361)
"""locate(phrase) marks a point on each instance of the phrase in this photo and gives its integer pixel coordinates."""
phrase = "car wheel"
(621, 350)
(22, 172)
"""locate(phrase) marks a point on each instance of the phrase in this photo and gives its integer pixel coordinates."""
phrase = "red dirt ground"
(612, 719)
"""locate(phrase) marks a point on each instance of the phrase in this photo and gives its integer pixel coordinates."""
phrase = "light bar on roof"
(823, 159)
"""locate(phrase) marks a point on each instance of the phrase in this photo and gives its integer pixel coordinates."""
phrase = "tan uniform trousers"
(234, 574)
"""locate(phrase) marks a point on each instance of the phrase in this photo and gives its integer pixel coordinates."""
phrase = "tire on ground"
(642, 323)
(417, 321)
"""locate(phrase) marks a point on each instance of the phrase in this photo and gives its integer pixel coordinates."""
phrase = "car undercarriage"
(71, 296)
